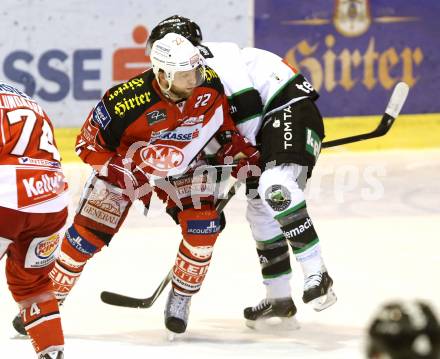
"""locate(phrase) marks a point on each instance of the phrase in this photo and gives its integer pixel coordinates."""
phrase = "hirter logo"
(162, 157)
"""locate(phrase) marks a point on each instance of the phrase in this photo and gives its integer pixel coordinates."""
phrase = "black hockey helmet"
(404, 330)
(179, 25)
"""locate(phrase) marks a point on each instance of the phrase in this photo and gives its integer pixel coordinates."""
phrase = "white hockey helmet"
(174, 53)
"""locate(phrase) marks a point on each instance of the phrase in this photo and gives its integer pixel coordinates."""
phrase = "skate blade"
(19, 336)
(171, 336)
(324, 301)
(274, 324)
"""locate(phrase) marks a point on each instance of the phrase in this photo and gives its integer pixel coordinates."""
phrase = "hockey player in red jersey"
(153, 126)
(33, 211)
(274, 108)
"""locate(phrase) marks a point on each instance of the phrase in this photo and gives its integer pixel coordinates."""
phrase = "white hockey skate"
(318, 291)
(275, 314)
(176, 313)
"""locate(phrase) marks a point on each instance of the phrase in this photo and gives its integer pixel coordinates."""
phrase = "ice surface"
(378, 217)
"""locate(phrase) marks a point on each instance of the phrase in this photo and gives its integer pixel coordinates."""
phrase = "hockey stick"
(394, 106)
(131, 302)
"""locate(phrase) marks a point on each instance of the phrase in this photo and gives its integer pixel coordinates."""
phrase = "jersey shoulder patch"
(122, 105)
(212, 80)
(205, 51)
(295, 89)
(131, 96)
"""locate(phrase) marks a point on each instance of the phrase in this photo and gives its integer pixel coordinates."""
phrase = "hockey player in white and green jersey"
(273, 106)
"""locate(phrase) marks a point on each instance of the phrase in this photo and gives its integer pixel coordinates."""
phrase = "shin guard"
(275, 267)
(200, 229)
(299, 231)
(78, 246)
(274, 257)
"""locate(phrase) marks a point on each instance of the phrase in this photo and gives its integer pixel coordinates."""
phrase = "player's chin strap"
(131, 302)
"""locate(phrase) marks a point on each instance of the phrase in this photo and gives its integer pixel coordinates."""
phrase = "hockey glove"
(237, 149)
(123, 172)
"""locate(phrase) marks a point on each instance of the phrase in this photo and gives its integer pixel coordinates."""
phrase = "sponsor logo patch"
(156, 116)
(194, 59)
(38, 162)
(203, 226)
(131, 103)
(127, 86)
(101, 115)
(62, 282)
(47, 247)
(210, 74)
(162, 157)
(79, 243)
(263, 259)
(276, 123)
(34, 187)
(313, 142)
(278, 197)
(191, 185)
(190, 274)
(181, 134)
(287, 128)
(191, 121)
(104, 206)
(300, 229)
(42, 251)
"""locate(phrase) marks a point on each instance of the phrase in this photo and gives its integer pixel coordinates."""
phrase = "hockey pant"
(100, 214)
(30, 241)
(278, 218)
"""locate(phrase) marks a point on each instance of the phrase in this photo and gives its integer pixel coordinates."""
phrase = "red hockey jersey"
(135, 115)
(31, 178)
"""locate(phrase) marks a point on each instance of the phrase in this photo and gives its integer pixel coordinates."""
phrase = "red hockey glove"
(237, 149)
(124, 173)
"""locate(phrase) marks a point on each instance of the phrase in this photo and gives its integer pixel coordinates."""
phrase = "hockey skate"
(278, 314)
(18, 325)
(318, 291)
(176, 313)
(52, 355)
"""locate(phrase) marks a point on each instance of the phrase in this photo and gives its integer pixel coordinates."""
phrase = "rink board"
(409, 131)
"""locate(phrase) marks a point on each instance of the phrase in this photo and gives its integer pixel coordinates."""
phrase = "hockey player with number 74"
(33, 212)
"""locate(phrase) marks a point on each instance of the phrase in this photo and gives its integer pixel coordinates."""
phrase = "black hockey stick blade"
(221, 203)
(130, 302)
(394, 106)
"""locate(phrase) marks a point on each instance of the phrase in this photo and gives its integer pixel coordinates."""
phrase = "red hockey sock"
(43, 323)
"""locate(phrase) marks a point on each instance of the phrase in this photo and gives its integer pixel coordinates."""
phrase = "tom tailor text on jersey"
(288, 130)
